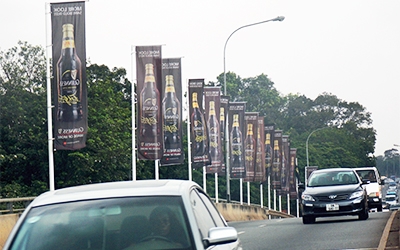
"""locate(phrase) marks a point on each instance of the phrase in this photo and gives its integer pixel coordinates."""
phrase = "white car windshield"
(117, 223)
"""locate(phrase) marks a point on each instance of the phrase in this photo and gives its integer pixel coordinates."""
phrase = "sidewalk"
(390, 236)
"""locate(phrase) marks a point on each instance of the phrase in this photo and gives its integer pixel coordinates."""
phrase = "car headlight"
(307, 197)
(356, 194)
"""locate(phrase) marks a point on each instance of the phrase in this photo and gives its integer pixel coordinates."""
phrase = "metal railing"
(18, 205)
(14, 205)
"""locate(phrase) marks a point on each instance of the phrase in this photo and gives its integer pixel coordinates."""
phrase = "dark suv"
(334, 192)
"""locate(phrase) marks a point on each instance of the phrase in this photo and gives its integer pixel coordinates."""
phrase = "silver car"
(147, 214)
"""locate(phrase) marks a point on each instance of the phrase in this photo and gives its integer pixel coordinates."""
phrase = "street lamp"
(279, 18)
(308, 163)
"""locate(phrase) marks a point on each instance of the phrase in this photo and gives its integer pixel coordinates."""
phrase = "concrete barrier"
(7, 222)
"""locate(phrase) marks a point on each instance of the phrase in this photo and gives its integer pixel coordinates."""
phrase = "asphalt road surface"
(342, 232)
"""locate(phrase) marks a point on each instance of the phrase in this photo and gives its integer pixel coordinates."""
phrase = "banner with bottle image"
(259, 174)
(69, 88)
(149, 79)
(212, 97)
(223, 114)
(198, 125)
(285, 167)
(269, 131)
(173, 153)
(277, 160)
(292, 173)
(236, 140)
(250, 144)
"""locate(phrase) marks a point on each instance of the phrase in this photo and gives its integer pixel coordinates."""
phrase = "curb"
(387, 237)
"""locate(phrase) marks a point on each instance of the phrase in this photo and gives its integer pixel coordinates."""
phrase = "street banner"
(236, 141)
(149, 80)
(212, 96)
(173, 153)
(277, 160)
(198, 125)
(269, 131)
(69, 89)
(223, 115)
(292, 173)
(250, 144)
(259, 175)
(285, 164)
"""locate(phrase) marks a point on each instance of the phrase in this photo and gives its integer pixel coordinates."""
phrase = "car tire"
(308, 219)
(363, 215)
(379, 208)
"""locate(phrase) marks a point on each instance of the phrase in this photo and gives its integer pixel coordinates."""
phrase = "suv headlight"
(307, 197)
(356, 195)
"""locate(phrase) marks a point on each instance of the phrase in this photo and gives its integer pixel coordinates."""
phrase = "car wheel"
(308, 219)
(379, 208)
(363, 215)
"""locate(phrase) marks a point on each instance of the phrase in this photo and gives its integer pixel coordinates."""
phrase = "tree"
(23, 126)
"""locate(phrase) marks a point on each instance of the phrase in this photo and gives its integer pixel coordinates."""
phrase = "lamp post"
(308, 163)
(398, 146)
(279, 18)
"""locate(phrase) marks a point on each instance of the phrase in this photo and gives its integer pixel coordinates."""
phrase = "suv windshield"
(367, 175)
(332, 178)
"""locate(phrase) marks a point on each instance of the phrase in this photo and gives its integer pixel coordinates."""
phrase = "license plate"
(332, 207)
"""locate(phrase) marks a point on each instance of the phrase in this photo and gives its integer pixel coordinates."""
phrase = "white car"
(147, 214)
(373, 187)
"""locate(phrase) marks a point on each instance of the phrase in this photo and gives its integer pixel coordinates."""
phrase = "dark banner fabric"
(277, 161)
(198, 127)
(285, 164)
(212, 97)
(250, 144)
(223, 114)
(268, 148)
(149, 79)
(69, 89)
(292, 174)
(259, 175)
(173, 153)
(236, 141)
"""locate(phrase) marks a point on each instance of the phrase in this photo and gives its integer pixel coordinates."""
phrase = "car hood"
(337, 189)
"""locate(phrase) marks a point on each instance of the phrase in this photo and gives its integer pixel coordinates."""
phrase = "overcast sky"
(348, 48)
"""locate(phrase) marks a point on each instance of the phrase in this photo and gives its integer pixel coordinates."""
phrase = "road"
(345, 232)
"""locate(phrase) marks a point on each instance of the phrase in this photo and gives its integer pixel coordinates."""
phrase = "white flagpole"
(133, 103)
(216, 187)
(49, 106)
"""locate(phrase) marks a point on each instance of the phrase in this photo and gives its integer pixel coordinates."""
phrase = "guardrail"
(14, 205)
(18, 205)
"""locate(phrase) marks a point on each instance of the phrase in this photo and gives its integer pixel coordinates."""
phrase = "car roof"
(116, 189)
(334, 170)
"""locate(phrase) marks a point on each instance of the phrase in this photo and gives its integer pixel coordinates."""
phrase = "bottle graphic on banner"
(268, 151)
(171, 116)
(236, 144)
(221, 131)
(250, 148)
(213, 128)
(276, 163)
(150, 115)
(259, 150)
(69, 77)
(283, 171)
(198, 129)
